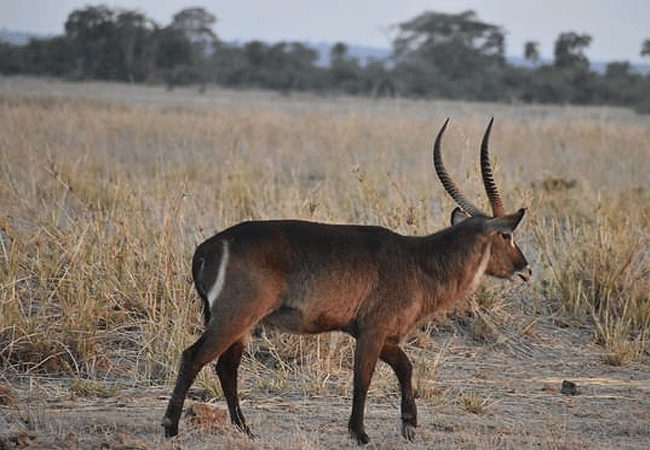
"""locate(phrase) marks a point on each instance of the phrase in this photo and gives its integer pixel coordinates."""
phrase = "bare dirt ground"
(516, 385)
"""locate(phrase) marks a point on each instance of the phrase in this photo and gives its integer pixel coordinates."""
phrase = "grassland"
(105, 190)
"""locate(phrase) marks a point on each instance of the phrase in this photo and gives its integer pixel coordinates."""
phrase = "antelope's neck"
(450, 272)
(479, 271)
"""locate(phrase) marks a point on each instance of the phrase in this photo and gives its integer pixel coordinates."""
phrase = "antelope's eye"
(506, 236)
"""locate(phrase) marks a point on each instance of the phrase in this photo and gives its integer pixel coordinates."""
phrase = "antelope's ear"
(504, 224)
(458, 215)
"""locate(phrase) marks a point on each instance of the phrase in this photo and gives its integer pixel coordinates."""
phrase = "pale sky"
(618, 27)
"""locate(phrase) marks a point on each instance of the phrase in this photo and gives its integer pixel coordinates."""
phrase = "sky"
(618, 27)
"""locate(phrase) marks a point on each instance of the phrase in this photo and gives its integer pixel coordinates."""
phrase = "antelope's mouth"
(524, 275)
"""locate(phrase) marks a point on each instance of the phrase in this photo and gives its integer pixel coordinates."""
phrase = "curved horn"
(446, 181)
(488, 180)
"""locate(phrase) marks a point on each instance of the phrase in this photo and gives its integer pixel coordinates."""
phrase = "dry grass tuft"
(605, 281)
(473, 402)
(94, 388)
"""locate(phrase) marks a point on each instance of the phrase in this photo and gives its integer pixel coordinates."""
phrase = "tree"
(531, 52)
(172, 48)
(302, 67)
(645, 48)
(138, 36)
(255, 52)
(569, 49)
(196, 23)
(344, 70)
(48, 56)
(618, 70)
(90, 24)
(449, 54)
(91, 32)
(338, 52)
(302, 56)
(282, 66)
(378, 79)
(451, 41)
(11, 58)
(112, 45)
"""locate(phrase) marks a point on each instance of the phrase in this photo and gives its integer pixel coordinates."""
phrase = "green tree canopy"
(645, 48)
(531, 51)
(111, 44)
(448, 55)
(92, 31)
(196, 24)
(136, 34)
(618, 69)
(454, 44)
(338, 52)
(569, 50)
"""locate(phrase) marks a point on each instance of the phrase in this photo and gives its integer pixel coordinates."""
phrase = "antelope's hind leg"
(226, 369)
(192, 361)
(212, 343)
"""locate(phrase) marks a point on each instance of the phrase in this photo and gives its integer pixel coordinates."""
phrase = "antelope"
(367, 281)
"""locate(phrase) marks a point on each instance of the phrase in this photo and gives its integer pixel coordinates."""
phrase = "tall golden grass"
(102, 204)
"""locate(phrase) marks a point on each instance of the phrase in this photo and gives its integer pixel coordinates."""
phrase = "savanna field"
(105, 191)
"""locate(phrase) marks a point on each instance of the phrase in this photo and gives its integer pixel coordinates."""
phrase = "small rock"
(569, 388)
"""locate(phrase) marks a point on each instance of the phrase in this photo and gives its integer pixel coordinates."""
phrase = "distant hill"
(20, 37)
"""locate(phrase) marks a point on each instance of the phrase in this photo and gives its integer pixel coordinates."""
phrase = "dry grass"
(102, 203)
(472, 402)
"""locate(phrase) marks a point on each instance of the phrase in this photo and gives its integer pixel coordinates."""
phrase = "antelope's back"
(314, 276)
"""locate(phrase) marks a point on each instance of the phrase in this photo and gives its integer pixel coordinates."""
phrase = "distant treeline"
(435, 55)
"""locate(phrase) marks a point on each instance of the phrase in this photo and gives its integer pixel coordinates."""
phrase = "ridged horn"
(446, 181)
(491, 189)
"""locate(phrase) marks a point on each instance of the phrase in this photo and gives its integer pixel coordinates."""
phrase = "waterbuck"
(367, 281)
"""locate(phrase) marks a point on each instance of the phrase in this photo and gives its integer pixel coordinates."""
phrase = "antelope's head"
(506, 259)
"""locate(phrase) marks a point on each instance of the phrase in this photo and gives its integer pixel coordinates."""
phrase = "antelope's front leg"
(395, 357)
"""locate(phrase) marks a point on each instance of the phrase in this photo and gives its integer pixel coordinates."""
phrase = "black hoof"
(171, 430)
(361, 437)
(408, 431)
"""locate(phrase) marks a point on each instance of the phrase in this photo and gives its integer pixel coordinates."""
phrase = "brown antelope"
(367, 281)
